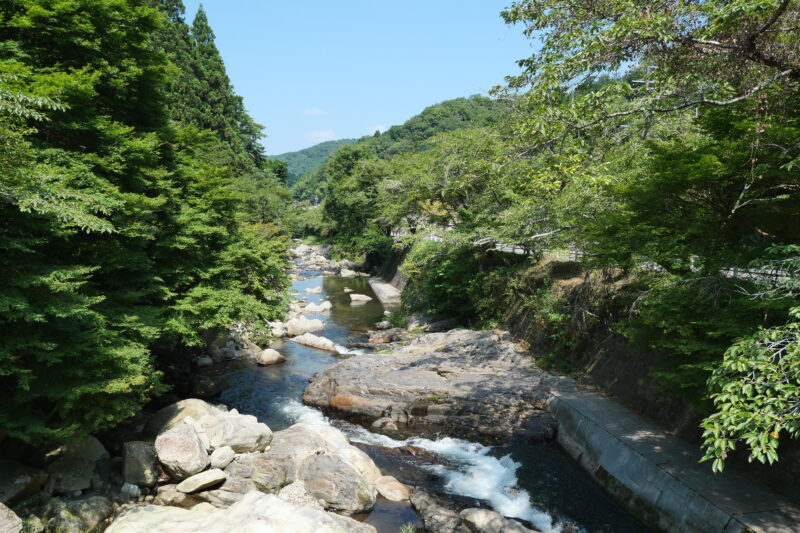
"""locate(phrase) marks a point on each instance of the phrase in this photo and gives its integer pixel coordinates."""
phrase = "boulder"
(201, 481)
(170, 495)
(324, 307)
(204, 360)
(181, 452)
(296, 493)
(291, 446)
(277, 328)
(242, 433)
(383, 325)
(222, 457)
(173, 415)
(89, 448)
(129, 491)
(269, 356)
(348, 290)
(9, 521)
(437, 518)
(139, 463)
(314, 290)
(70, 474)
(315, 341)
(391, 489)
(249, 472)
(18, 481)
(359, 298)
(347, 273)
(486, 521)
(77, 516)
(256, 512)
(332, 479)
(300, 325)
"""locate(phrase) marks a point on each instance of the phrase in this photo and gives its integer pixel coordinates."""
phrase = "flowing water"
(534, 482)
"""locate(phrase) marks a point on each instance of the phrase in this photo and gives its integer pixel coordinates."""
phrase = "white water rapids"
(476, 474)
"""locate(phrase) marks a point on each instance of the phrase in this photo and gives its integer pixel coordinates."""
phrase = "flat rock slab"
(387, 293)
(467, 382)
(201, 481)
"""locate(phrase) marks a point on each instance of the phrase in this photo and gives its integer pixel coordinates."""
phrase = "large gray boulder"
(181, 452)
(330, 478)
(437, 518)
(290, 448)
(256, 512)
(89, 448)
(486, 521)
(242, 433)
(391, 489)
(300, 324)
(269, 356)
(315, 341)
(77, 516)
(249, 472)
(465, 382)
(9, 521)
(70, 474)
(139, 463)
(173, 415)
(18, 481)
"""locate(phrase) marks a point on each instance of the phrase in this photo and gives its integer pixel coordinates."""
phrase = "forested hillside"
(411, 136)
(661, 145)
(310, 158)
(138, 209)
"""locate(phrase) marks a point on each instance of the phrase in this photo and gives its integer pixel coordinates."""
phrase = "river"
(535, 482)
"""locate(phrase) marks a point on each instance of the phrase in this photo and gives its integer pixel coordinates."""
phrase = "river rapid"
(537, 483)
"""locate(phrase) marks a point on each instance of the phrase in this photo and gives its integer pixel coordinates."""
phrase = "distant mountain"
(310, 158)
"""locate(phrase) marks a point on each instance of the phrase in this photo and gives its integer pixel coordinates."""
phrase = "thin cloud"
(377, 127)
(319, 136)
(312, 111)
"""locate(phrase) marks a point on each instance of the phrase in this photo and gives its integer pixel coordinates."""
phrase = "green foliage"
(119, 229)
(309, 159)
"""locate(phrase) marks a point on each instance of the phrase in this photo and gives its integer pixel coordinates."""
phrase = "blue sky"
(317, 70)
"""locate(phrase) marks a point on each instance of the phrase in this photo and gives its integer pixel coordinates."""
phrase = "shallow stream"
(535, 482)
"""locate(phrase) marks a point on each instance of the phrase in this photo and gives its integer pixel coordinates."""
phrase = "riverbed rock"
(314, 290)
(18, 481)
(315, 341)
(173, 415)
(324, 307)
(356, 298)
(204, 361)
(291, 446)
(277, 328)
(222, 457)
(181, 452)
(330, 478)
(391, 489)
(201, 481)
(70, 474)
(170, 495)
(89, 448)
(300, 325)
(296, 493)
(139, 463)
(242, 433)
(466, 382)
(269, 356)
(487, 521)
(77, 515)
(347, 273)
(437, 518)
(9, 521)
(256, 512)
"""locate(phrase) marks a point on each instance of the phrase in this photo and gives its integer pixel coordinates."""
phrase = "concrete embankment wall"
(657, 477)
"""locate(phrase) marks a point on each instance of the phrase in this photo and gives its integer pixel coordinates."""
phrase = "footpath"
(657, 476)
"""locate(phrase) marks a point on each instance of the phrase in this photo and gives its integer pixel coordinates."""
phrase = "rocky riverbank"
(472, 384)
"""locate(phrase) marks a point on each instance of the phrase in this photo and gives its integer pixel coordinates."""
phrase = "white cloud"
(318, 136)
(377, 127)
(311, 111)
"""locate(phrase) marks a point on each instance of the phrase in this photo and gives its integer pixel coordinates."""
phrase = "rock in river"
(315, 341)
(181, 452)
(330, 478)
(255, 512)
(470, 382)
(300, 325)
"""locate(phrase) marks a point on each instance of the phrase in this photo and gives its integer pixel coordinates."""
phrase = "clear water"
(537, 483)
